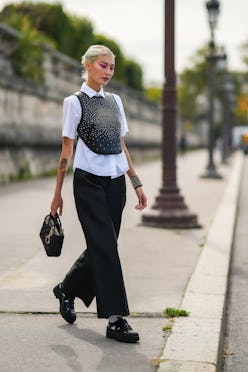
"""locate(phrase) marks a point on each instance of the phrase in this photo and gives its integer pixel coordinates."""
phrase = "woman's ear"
(86, 64)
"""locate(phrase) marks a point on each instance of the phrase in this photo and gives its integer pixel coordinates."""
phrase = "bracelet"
(135, 182)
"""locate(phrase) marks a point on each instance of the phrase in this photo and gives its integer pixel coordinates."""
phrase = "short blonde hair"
(92, 53)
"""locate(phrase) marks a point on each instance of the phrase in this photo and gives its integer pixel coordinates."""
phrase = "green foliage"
(133, 75)
(24, 171)
(240, 81)
(154, 94)
(171, 312)
(242, 108)
(82, 36)
(193, 82)
(167, 328)
(27, 58)
(70, 34)
(52, 21)
(244, 51)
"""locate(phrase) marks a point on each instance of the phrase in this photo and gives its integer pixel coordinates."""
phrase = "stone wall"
(31, 114)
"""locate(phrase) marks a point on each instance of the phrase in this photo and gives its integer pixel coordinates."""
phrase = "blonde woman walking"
(100, 163)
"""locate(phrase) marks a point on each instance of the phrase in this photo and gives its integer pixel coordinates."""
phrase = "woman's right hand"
(57, 205)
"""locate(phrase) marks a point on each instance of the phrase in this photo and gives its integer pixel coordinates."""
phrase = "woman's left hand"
(142, 199)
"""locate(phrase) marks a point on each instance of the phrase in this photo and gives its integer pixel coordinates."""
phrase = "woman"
(101, 160)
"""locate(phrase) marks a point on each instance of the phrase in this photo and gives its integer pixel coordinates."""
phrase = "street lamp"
(169, 209)
(213, 11)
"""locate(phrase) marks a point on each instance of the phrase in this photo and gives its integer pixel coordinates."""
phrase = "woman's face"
(100, 72)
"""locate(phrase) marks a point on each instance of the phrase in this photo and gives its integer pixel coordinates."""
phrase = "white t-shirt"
(113, 165)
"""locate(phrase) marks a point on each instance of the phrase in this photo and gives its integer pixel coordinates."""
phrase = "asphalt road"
(235, 353)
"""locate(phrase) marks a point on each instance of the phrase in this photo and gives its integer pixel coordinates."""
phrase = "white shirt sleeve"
(124, 126)
(72, 112)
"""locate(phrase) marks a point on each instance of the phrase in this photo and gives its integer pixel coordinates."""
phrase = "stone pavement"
(162, 268)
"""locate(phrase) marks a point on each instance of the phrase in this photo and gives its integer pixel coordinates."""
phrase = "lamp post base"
(211, 172)
(174, 219)
(171, 212)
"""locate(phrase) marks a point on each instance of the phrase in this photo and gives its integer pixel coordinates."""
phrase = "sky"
(138, 27)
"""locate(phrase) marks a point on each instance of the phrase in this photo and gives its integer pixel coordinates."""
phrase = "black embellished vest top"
(100, 123)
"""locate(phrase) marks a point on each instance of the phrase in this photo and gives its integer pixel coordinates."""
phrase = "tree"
(71, 35)
(83, 36)
(154, 93)
(52, 21)
(244, 52)
(242, 108)
(241, 80)
(192, 82)
(27, 58)
(133, 75)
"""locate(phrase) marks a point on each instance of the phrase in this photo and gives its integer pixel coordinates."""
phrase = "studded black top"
(100, 123)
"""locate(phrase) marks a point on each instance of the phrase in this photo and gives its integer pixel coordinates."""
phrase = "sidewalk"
(157, 266)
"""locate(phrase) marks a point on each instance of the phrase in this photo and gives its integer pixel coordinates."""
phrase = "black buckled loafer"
(66, 304)
(121, 331)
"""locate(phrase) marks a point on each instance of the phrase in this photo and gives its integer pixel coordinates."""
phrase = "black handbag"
(52, 235)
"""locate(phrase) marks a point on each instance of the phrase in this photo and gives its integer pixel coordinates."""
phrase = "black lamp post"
(170, 209)
(222, 66)
(228, 103)
(213, 11)
(231, 99)
(226, 117)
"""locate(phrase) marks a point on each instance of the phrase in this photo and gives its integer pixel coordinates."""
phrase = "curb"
(195, 342)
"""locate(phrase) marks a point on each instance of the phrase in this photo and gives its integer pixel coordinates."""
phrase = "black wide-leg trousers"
(97, 272)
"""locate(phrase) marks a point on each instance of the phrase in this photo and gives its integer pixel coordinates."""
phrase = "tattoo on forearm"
(66, 141)
(63, 164)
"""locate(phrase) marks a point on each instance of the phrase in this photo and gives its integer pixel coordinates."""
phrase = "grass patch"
(156, 362)
(167, 328)
(171, 312)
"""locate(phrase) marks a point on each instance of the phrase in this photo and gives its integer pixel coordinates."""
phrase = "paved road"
(157, 265)
(236, 335)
